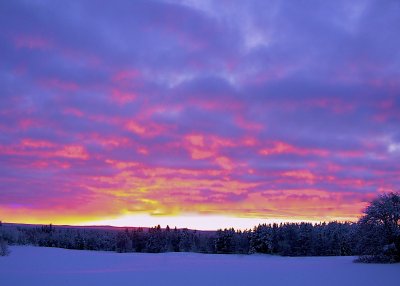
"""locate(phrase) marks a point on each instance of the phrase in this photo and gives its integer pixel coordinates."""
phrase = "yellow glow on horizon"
(194, 220)
(199, 222)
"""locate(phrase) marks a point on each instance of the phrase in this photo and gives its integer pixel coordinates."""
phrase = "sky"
(200, 114)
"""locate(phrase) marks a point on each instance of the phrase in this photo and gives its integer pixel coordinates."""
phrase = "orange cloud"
(208, 147)
(136, 127)
(285, 148)
(224, 162)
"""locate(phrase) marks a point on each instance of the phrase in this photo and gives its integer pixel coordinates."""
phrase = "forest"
(374, 238)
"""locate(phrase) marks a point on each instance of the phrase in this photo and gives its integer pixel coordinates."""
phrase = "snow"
(29, 265)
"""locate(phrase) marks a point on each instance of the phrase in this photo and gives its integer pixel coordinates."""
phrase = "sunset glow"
(199, 114)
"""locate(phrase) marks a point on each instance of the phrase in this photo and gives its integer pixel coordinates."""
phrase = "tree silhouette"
(380, 229)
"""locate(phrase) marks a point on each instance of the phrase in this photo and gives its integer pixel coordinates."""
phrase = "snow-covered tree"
(380, 228)
(186, 240)
(260, 240)
(123, 242)
(385, 211)
(4, 247)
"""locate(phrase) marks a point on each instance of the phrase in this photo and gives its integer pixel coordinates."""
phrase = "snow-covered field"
(50, 266)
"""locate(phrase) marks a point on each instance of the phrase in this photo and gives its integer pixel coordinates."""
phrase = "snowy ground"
(50, 266)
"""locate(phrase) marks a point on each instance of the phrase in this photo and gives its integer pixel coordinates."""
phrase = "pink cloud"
(248, 125)
(36, 143)
(145, 128)
(73, 152)
(26, 123)
(55, 83)
(122, 97)
(44, 150)
(250, 141)
(352, 153)
(201, 147)
(108, 142)
(301, 174)
(125, 75)
(32, 42)
(136, 127)
(121, 164)
(335, 105)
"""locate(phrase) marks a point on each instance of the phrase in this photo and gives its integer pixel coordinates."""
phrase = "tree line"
(375, 237)
(289, 239)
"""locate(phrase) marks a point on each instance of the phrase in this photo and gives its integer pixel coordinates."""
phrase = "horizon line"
(182, 222)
